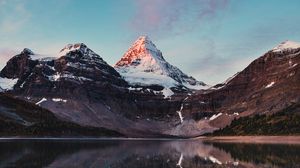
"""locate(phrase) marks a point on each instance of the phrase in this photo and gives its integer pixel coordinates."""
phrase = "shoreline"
(89, 139)
(293, 139)
(218, 139)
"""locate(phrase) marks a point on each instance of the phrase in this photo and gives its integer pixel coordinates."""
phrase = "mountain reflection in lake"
(148, 154)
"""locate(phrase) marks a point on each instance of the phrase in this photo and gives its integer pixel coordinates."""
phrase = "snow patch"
(291, 74)
(214, 160)
(7, 84)
(54, 77)
(59, 100)
(147, 79)
(180, 161)
(58, 76)
(181, 108)
(290, 62)
(286, 45)
(215, 116)
(43, 58)
(68, 48)
(22, 85)
(196, 87)
(180, 116)
(167, 92)
(41, 101)
(134, 89)
(270, 84)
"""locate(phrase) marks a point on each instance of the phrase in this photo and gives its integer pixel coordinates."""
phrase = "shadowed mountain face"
(136, 154)
(20, 118)
(80, 87)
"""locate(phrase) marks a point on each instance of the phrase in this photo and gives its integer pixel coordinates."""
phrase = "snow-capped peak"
(80, 51)
(142, 53)
(144, 64)
(143, 56)
(81, 47)
(144, 42)
(286, 45)
(72, 47)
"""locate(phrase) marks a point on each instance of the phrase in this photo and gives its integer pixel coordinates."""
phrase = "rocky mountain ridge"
(80, 87)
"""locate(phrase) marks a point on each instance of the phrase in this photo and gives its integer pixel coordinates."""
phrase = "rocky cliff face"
(20, 66)
(81, 87)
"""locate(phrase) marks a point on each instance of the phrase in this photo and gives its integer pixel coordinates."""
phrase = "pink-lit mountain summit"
(144, 64)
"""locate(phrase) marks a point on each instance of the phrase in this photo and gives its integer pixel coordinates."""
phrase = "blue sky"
(208, 39)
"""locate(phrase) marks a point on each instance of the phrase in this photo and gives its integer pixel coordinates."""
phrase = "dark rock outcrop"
(19, 66)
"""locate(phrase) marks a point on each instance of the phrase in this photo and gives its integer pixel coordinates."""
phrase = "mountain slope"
(284, 122)
(20, 118)
(268, 85)
(143, 64)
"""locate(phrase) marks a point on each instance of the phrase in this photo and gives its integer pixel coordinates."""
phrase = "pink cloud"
(163, 16)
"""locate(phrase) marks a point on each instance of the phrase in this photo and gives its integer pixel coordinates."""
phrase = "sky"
(208, 39)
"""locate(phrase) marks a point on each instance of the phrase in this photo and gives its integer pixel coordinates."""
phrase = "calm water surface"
(145, 154)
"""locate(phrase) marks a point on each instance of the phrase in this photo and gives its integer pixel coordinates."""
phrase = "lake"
(145, 153)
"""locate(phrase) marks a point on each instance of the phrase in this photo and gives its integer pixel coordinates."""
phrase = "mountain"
(268, 85)
(78, 64)
(69, 86)
(81, 88)
(143, 64)
(20, 118)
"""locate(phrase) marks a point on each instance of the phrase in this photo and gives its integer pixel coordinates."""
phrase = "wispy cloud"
(215, 70)
(14, 15)
(210, 61)
(173, 16)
